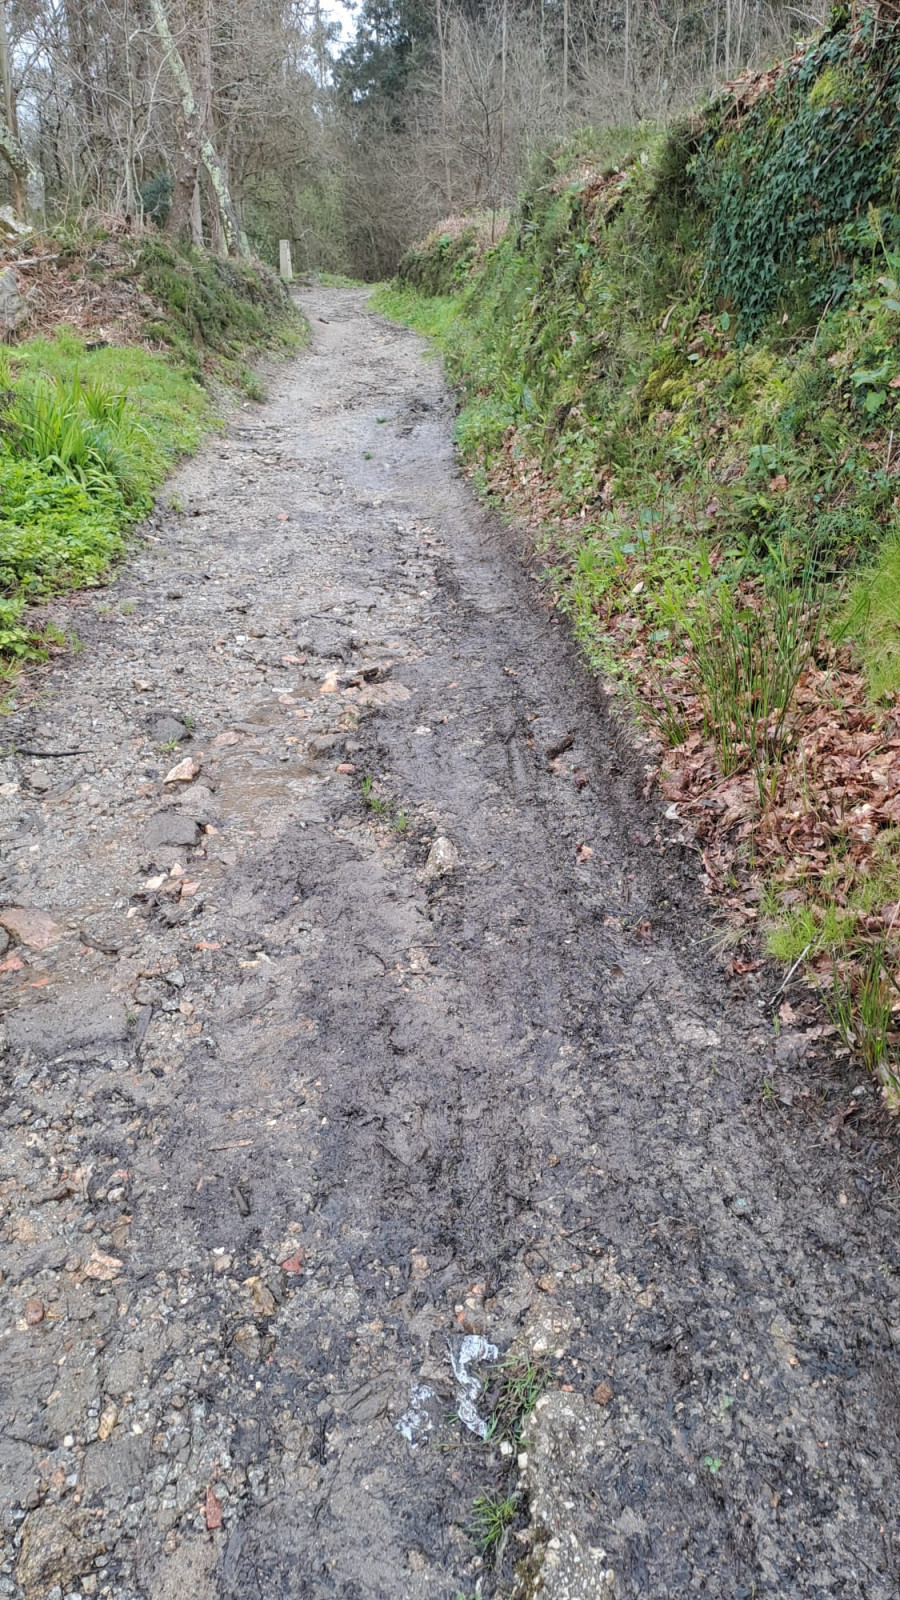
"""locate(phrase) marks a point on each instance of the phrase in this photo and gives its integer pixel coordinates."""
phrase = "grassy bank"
(94, 412)
(680, 366)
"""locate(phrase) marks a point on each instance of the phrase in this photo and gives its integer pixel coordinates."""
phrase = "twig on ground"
(768, 1004)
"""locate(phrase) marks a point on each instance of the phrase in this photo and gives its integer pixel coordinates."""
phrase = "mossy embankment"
(131, 340)
(681, 366)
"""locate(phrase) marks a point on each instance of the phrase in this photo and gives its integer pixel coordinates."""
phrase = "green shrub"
(156, 197)
(78, 429)
(70, 481)
(55, 531)
(441, 265)
(445, 261)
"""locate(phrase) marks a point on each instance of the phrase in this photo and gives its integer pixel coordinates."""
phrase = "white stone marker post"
(287, 271)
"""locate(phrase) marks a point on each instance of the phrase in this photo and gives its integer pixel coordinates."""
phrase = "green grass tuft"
(522, 1382)
(491, 1517)
(874, 617)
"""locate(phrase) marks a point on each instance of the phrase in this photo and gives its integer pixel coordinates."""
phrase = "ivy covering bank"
(681, 363)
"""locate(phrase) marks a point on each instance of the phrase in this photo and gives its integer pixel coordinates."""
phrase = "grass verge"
(89, 427)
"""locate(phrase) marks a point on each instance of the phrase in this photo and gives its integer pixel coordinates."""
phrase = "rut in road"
(294, 1100)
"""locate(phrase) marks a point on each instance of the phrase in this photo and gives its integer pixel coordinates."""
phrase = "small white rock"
(443, 857)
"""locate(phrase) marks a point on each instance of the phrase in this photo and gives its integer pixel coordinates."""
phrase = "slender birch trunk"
(442, 49)
(10, 147)
(195, 126)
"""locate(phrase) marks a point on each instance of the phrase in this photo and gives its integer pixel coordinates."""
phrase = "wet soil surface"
(380, 1029)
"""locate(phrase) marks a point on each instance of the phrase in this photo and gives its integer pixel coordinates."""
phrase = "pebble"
(31, 927)
(171, 828)
(248, 1341)
(107, 1420)
(166, 728)
(443, 857)
(183, 772)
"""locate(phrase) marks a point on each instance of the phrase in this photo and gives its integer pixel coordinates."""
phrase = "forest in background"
(235, 125)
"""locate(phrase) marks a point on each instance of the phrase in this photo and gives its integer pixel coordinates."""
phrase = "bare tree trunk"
(504, 41)
(728, 38)
(319, 45)
(442, 48)
(181, 223)
(197, 214)
(79, 53)
(741, 18)
(13, 153)
(132, 197)
(195, 116)
(10, 147)
(503, 54)
(565, 60)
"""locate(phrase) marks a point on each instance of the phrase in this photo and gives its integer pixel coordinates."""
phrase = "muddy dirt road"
(376, 1030)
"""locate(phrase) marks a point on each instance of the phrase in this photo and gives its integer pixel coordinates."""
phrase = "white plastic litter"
(473, 1349)
(417, 1419)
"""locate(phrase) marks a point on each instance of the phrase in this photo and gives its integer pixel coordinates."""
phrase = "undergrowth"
(681, 365)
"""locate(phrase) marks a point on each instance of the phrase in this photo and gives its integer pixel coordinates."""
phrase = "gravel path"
(379, 1030)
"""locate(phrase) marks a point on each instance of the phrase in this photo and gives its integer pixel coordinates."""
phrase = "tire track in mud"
(375, 1107)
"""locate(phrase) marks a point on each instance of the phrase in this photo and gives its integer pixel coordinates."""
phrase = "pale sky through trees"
(343, 15)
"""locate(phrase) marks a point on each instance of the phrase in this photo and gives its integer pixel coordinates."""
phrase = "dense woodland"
(236, 124)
